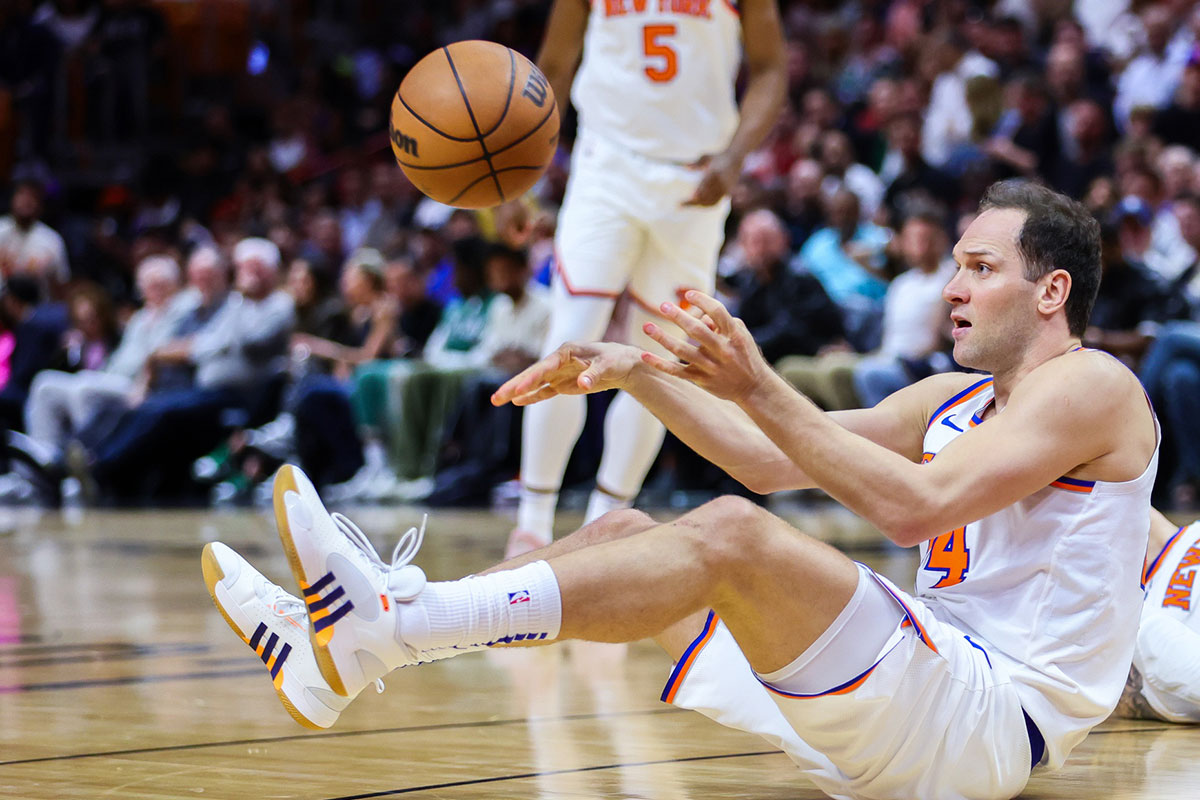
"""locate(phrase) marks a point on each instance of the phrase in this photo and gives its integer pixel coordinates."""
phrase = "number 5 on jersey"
(661, 60)
(948, 554)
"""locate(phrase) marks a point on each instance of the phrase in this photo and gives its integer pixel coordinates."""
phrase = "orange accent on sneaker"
(386, 607)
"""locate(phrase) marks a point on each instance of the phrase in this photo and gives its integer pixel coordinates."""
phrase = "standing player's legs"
(680, 254)
(597, 244)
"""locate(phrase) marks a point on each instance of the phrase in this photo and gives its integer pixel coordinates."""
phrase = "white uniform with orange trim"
(654, 92)
(1018, 640)
(1168, 644)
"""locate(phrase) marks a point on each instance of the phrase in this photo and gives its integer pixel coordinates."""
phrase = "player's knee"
(727, 531)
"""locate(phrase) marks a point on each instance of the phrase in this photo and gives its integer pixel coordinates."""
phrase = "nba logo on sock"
(518, 597)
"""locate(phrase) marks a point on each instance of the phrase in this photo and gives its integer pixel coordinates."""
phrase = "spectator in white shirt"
(28, 245)
(1151, 77)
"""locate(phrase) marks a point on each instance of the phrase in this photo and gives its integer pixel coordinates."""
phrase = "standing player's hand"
(571, 369)
(720, 176)
(722, 357)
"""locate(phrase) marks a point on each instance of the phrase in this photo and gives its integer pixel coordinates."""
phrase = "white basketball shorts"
(622, 226)
(931, 719)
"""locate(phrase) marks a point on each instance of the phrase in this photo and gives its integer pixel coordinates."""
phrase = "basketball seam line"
(471, 113)
(429, 124)
(508, 146)
(512, 82)
(493, 173)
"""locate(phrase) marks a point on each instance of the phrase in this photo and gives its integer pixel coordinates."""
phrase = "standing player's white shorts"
(623, 226)
(931, 719)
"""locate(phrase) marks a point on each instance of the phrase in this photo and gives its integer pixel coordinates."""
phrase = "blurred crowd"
(212, 264)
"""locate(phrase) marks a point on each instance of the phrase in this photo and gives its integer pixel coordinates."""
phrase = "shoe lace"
(287, 606)
(402, 554)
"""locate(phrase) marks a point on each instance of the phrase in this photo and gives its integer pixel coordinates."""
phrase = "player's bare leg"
(776, 589)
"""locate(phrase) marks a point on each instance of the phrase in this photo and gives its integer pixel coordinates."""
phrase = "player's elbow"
(908, 529)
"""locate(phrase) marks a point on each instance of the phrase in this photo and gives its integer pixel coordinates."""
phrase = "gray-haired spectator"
(62, 403)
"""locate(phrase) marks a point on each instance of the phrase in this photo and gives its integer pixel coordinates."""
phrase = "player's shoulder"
(1087, 373)
(920, 402)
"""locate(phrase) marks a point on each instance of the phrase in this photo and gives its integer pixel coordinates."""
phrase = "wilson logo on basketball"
(403, 143)
(535, 87)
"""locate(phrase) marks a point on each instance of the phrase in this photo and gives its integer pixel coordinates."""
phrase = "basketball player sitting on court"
(1164, 681)
(1027, 491)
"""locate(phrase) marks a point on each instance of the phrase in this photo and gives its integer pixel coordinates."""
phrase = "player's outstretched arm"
(1082, 410)
(562, 48)
(717, 429)
(766, 87)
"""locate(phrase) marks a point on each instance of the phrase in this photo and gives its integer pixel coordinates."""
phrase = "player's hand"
(722, 357)
(571, 369)
(720, 176)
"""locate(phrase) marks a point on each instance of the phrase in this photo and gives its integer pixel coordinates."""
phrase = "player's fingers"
(530, 378)
(685, 352)
(545, 392)
(663, 365)
(713, 307)
(694, 328)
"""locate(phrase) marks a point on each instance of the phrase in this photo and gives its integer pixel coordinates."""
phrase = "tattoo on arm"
(1132, 704)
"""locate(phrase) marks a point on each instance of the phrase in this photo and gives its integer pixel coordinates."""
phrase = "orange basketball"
(474, 124)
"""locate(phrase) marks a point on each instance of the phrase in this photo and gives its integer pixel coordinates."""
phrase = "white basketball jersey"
(1050, 586)
(1169, 640)
(657, 76)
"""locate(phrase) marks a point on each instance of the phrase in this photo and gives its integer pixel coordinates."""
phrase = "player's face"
(992, 304)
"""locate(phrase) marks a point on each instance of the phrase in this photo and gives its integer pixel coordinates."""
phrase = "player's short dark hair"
(1058, 233)
(510, 255)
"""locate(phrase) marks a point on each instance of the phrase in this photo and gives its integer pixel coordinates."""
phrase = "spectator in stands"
(1131, 302)
(419, 313)
(914, 183)
(1026, 140)
(515, 317)
(1085, 154)
(841, 172)
(1170, 372)
(848, 258)
(237, 358)
(61, 404)
(913, 330)
(37, 334)
(947, 118)
(787, 312)
(29, 246)
(1179, 120)
(803, 208)
(1151, 78)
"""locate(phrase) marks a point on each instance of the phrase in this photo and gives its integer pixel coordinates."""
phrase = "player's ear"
(1054, 288)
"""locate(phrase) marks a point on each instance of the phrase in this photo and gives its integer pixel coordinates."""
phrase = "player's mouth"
(961, 326)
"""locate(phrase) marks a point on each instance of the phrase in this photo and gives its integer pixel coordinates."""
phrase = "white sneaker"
(351, 593)
(272, 622)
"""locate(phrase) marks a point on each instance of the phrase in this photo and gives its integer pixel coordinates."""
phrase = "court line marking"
(487, 723)
(525, 775)
(125, 680)
(120, 651)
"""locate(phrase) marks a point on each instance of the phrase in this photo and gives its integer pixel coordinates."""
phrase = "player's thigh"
(680, 254)
(598, 241)
(932, 701)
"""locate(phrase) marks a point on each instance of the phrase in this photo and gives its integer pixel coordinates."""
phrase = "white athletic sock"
(481, 610)
(601, 502)
(632, 439)
(536, 513)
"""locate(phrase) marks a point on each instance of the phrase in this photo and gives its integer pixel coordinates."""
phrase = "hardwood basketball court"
(118, 678)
